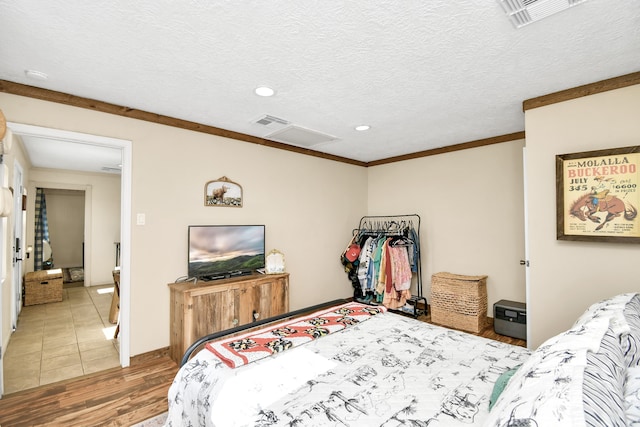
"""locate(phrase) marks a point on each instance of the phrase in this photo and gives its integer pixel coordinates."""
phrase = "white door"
(525, 262)
(18, 245)
(3, 271)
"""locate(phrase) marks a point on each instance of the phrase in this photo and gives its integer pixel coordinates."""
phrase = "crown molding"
(581, 91)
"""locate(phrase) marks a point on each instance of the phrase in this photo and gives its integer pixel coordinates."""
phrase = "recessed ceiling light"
(363, 127)
(36, 75)
(264, 91)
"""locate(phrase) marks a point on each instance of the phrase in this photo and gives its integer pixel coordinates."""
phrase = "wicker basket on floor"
(42, 286)
(459, 301)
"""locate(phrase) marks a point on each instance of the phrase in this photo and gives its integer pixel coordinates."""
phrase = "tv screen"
(219, 251)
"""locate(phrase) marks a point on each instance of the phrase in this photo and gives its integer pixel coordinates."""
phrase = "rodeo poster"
(599, 196)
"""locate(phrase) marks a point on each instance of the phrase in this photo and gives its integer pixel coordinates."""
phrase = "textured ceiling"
(422, 74)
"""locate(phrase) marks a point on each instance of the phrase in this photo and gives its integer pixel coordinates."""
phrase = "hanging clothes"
(400, 267)
(377, 259)
(364, 270)
(350, 260)
(414, 253)
(388, 264)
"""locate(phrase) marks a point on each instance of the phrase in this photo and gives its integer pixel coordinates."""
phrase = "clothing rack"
(397, 225)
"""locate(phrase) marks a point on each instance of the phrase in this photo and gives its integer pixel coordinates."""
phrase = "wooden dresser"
(206, 307)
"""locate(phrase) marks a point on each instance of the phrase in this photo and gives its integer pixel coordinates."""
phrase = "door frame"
(125, 214)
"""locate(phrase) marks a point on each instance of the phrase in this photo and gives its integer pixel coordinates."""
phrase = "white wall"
(471, 208)
(567, 276)
(7, 223)
(309, 206)
(6, 271)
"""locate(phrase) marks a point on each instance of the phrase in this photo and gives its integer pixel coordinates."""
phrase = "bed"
(356, 365)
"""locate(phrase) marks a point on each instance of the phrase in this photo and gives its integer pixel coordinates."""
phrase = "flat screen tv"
(220, 251)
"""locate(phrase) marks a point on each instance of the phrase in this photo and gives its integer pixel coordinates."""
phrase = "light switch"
(141, 219)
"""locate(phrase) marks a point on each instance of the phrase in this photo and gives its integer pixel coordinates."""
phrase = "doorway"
(65, 232)
(81, 142)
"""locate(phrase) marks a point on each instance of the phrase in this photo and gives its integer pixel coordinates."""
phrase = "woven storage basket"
(43, 286)
(459, 301)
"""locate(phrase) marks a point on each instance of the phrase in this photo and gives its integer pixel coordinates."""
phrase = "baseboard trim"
(150, 355)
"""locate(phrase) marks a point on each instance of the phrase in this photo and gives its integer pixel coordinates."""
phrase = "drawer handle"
(256, 315)
(44, 283)
(235, 322)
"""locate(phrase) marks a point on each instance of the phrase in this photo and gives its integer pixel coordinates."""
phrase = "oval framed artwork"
(223, 192)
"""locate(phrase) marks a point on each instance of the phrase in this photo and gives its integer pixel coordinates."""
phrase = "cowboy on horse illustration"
(599, 200)
(600, 192)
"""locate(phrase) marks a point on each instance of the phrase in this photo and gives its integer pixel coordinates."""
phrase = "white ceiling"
(54, 153)
(422, 74)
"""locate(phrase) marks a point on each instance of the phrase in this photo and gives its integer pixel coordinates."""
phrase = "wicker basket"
(459, 301)
(42, 286)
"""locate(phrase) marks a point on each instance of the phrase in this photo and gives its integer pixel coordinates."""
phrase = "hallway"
(62, 340)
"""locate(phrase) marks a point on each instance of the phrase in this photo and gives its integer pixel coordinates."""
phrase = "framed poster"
(597, 195)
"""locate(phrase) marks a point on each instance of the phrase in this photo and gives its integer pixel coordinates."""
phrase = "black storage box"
(510, 319)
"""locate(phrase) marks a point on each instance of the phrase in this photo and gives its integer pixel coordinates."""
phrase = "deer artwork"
(218, 193)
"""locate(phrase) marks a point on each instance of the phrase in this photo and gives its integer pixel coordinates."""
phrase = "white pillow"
(632, 396)
(610, 308)
(545, 391)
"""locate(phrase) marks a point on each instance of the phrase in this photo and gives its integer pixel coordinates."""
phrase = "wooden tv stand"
(206, 307)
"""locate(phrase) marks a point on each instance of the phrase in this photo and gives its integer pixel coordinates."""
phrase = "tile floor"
(62, 340)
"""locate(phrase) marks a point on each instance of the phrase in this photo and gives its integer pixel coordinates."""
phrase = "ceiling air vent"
(524, 12)
(300, 136)
(271, 121)
(111, 169)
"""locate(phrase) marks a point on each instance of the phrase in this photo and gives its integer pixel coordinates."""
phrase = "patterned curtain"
(41, 228)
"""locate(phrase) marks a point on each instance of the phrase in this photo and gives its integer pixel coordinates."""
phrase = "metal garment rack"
(396, 225)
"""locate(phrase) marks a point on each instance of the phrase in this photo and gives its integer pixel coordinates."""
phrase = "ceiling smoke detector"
(524, 12)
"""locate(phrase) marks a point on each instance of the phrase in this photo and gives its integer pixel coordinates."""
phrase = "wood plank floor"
(487, 332)
(116, 397)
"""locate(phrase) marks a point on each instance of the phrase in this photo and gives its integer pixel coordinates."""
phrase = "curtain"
(41, 228)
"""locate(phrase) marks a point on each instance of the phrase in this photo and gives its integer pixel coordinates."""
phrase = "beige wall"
(566, 277)
(65, 216)
(470, 202)
(471, 207)
(309, 206)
